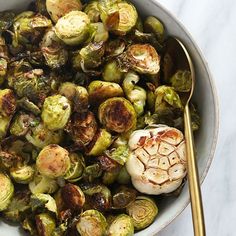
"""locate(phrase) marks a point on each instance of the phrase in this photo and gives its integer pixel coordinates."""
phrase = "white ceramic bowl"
(205, 96)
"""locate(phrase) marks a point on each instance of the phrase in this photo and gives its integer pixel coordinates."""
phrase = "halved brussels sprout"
(122, 225)
(143, 212)
(56, 112)
(117, 114)
(53, 51)
(101, 141)
(119, 154)
(73, 28)
(58, 8)
(118, 16)
(123, 176)
(3, 69)
(99, 91)
(98, 33)
(53, 161)
(73, 196)
(40, 136)
(22, 174)
(115, 47)
(92, 172)
(92, 10)
(6, 191)
(7, 102)
(112, 72)
(181, 81)
(45, 224)
(91, 223)
(18, 206)
(25, 104)
(136, 94)
(8, 160)
(142, 58)
(42, 201)
(82, 128)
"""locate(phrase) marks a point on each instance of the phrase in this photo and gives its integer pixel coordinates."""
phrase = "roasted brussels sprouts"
(58, 8)
(25, 104)
(117, 114)
(122, 225)
(82, 128)
(92, 172)
(119, 154)
(45, 224)
(7, 102)
(22, 174)
(29, 226)
(118, 16)
(56, 112)
(143, 212)
(73, 28)
(53, 161)
(6, 20)
(92, 10)
(181, 81)
(109, 177)
(99, 91)
(98, 33)
(91, 223)
(112, 72)
(123, 176)
(4, 124)
(3, 69)
(40, 136)
(115, 47)
(136, 95)
(142, 58)
(9, 160)
(101, 141)
(53, 51)
(6, 191)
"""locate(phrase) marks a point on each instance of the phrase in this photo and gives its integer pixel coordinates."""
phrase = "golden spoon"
(176, 57)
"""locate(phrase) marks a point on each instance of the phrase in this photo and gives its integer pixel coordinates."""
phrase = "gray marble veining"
(212, 24)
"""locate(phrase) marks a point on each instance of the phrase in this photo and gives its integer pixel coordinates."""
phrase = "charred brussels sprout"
(115, 47)
(58, 8)
(45, 224)
(6, 20)
(143, 212)
(92, 10)
(181, 81)
(136, 95)
(99, 91)
(82, 128)
(73, 28)
(117, 114)
(53, 51)
(6, 191)
(23, 174)
(92, 172)
(92, 223)
(112, 72)
(56, 112)
(53, 161)
(122, 225)
(142, 58)
(7, 102)
(8, 160)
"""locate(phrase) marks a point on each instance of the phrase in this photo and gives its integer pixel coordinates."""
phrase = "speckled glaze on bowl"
(205, 96)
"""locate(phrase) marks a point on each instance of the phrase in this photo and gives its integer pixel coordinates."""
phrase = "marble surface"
(212, 24)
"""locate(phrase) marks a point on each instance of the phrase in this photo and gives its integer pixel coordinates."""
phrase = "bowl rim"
(216, 108)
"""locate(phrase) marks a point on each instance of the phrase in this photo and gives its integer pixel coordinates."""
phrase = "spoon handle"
(193, 178)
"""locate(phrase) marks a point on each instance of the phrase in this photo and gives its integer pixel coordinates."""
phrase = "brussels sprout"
(139, 24)
(7, 102)
(18, 206)
(76, 169)
(53, 51)
(181, 81)
(28, 225)
(119, 154)
(112, 72)
(77, 94)
(119, 17)
(98, 33)
(59, 8)
(143, 212)
(82, 128)
(166, 98)
(6, 20)
(92, 172)
(26, 104)
(122, 225)
(142, 58)
(91, 223)
(92, 10)
(73, 28)
(115, 47)
(33, 85)
(9, 160)
(101, 141)
(43, 184)
(3, 69)
(136, 95)
(73, 196)
(99, 91)
(40, 136)
(117, 114)
(123, 176)
(23, 174)
(6, 191)
(108, 164)
(28, 27)
(123, 197)
(56, 112)
(4, 124)
(45, 224)
(153, 25)
(42, 201)
(109, 177)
